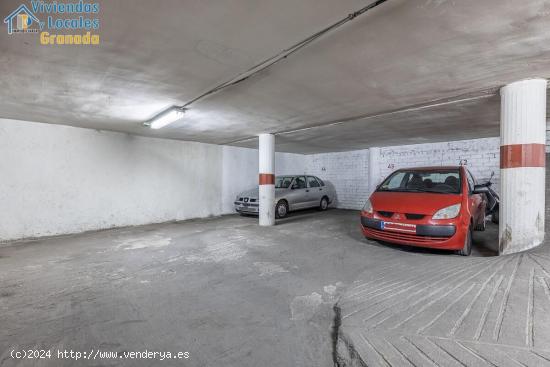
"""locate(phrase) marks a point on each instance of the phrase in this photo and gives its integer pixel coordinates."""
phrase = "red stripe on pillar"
(522, 155)
(267, 179)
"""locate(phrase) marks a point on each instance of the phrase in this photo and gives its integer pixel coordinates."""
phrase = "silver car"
(292, 192)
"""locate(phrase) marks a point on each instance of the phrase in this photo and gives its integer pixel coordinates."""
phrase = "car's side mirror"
(480, 189)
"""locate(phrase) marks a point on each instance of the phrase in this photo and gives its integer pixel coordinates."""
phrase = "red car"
(436, 207)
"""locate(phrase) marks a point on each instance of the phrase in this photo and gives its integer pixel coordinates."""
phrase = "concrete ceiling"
(407, 71)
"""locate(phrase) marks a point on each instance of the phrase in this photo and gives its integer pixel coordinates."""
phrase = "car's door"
(315, 191)
(477, 202)
(326, 190)
(298, 195)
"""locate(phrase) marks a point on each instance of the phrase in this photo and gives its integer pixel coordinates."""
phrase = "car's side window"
(300, 182)
(320, 181)
(312, 181)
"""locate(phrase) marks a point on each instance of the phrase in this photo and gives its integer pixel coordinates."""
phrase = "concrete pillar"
(522, 165)
(374, 169)
(267, 179)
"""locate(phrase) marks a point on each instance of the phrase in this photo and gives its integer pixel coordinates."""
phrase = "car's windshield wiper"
(417, 190)
(435, 191)
(399, 190)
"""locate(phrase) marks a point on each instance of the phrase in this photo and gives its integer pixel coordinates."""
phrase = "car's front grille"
(414, 216)
(386, 235)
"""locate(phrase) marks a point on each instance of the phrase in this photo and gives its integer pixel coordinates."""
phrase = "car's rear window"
(444, 181)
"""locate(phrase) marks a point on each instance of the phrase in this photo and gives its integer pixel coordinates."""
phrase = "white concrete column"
(267, 179)
(522, 165)
(374, 169)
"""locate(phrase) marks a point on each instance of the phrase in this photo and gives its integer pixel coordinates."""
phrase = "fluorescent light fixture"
(166, 118)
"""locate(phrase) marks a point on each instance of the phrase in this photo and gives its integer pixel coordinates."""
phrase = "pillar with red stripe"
(267, 179)
(522, 165)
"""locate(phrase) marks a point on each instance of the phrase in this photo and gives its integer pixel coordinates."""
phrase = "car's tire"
(323, 204)
(494, 217)
(481, 226)
(467, 250)
(281, 209)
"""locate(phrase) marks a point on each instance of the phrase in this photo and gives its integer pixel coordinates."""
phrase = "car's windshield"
(283, 182)
(444, 181)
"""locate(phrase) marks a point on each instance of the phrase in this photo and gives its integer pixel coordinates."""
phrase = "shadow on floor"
(294, 216)
(485, 244)
(299, 215)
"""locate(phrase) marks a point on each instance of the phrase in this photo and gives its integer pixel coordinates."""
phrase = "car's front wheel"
(467, 250)
(281, 209)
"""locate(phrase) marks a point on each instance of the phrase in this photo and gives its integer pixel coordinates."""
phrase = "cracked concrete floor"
(225, 290)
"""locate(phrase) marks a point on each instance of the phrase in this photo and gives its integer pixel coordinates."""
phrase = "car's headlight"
(449, 212)
(368, 207)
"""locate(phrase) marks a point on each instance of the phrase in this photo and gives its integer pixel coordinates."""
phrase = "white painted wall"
(348, 171)
(240, 172)
(58, 179)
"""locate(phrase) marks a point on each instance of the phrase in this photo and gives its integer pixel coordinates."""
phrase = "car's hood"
(412, 202)
(254, 193)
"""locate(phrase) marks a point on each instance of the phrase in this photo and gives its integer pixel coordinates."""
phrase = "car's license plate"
(398, 227)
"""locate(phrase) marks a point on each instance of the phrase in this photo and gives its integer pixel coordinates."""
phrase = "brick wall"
(348, 171)
(481, 156)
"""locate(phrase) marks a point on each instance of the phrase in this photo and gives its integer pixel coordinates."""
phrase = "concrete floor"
(225, 290)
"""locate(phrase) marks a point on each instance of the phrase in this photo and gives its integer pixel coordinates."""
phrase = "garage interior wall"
(348, 171)
(59, 179)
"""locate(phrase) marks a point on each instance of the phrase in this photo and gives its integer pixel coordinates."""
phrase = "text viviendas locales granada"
(67, 18)
(69, 39)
